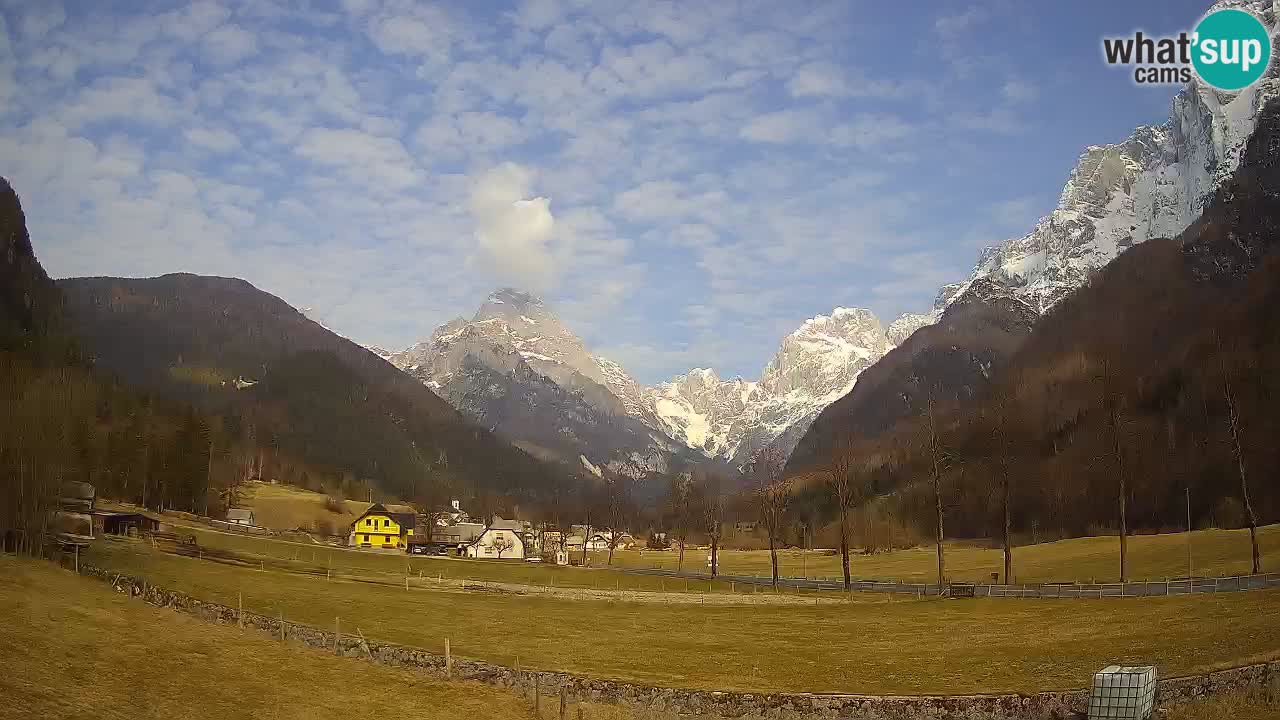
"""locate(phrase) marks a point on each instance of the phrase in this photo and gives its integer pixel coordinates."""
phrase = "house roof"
(239, 514)
(500, 524)
(403, 519)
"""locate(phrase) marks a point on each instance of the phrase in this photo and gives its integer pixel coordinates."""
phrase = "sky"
(684, 183)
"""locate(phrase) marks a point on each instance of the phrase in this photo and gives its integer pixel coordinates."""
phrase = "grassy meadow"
(871, 645)
(1214, 552)
(70, 647)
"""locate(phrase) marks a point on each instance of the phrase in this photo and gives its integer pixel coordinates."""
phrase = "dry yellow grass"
(1214, 552)
(907, 647)
(284, 507)
(69, 647)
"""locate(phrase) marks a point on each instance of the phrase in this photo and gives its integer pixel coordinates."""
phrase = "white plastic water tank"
(1124, 692)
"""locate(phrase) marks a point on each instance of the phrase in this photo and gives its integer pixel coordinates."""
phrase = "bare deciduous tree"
(501, 544)
(1237, 452)
(846, 490)
(710, 493)
(772, 495)
(938, 460)
(1006, 446)
(1111, 402)
(680, 499)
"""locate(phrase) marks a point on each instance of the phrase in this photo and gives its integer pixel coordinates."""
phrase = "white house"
(240, 516)
(502, 539)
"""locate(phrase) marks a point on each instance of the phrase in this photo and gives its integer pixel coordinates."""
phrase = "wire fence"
(1141, 588)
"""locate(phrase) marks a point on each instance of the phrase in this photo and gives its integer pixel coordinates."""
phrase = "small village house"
(240, 516)
(502, 539)
(379, 527)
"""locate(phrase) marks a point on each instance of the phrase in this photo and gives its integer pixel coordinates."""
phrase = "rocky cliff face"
(515, 368)
(1152, 184)
(814, 366)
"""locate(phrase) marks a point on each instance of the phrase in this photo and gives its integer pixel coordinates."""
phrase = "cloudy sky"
(684, 182)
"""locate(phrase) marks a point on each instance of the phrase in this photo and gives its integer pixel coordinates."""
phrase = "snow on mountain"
(905, 324)
(516, 368)
(1153, 184)
(814, 366)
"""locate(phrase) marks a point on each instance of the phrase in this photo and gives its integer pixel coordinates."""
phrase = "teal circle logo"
(1231, 49)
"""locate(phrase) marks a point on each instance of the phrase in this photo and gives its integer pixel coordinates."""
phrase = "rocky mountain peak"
(1153, 183)
(814, 365)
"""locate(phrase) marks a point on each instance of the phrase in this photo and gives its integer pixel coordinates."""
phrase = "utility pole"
(1188, 533)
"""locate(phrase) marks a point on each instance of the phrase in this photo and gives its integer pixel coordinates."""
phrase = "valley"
(637, 361)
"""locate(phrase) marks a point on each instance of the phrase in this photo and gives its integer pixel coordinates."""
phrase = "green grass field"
(70, 647)
(873, 646)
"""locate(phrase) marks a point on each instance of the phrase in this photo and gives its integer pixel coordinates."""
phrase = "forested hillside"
(172, 391)
(309, 401)
(1160, 374)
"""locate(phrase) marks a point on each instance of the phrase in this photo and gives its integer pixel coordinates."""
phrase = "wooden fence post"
(337, 633)
(281, 626)
(448, 661)
(563, 700)
(240, 609)
(537, 694)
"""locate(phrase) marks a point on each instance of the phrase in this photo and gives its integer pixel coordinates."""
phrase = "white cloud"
(216, 139)
(719, 157)
(512, 227)
(229, 44)
(467, 133)
(867, 131)
(781, 126)
(42, 18)
(952, 27)
(826, 79)
(1019, 91)
(193, 21)
(111, 98)
(375, 163)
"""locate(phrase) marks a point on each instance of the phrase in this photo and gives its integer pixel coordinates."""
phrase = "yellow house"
(381, 528)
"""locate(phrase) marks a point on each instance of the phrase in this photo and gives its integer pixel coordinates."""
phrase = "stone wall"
(673, 702)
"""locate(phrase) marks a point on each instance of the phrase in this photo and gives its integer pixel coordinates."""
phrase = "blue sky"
(684, 182)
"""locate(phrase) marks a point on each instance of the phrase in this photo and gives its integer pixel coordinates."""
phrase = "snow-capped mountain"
(814, 366)
(1153, 184)
(517, 369)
